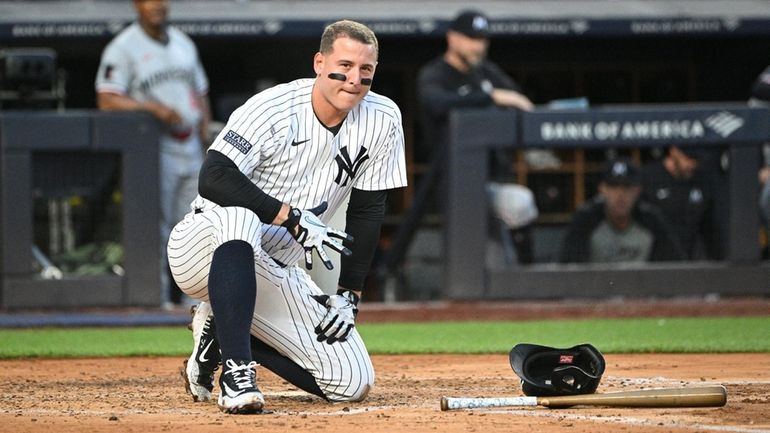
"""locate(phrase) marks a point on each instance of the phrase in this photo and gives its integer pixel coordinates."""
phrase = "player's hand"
(163, 113)
(340, 317)
(764, 175)
(511, 98)
(313, 234)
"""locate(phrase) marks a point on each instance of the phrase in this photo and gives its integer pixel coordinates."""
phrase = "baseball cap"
(471, 23)
(622, 171)
(691, 152)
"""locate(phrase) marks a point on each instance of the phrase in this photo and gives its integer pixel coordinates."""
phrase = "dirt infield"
(146, 394)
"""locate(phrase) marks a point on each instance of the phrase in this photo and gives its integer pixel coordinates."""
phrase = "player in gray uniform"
(154, 67)
(271, 180)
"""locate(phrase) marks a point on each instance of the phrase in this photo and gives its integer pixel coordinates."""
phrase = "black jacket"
(441, 88)
(687, 205)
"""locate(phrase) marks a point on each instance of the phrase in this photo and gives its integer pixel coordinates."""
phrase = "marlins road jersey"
(145, 69)
(276, 140)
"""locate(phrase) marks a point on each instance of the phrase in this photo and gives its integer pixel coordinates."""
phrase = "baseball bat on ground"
(676, 397)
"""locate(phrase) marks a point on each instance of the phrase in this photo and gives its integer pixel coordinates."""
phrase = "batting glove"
(340, 317)
(313, 234)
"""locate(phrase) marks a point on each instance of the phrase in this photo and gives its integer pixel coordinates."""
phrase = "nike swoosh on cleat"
(230, 393)
(202, 355)
(297, 143)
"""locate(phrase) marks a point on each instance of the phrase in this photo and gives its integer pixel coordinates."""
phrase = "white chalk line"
(346, 411)
(182, 411)
(626, 420)
(98, 413)
(666, 380)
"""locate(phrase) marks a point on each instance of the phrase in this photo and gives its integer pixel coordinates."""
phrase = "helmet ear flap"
(548, 371)
(571, 379)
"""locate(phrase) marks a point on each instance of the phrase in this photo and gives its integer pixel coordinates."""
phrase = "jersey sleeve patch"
(238, 142)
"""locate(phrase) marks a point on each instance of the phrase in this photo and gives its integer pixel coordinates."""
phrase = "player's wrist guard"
(351, 295)
(292, 221)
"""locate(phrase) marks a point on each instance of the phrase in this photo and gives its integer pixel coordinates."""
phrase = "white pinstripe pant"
(285, 314)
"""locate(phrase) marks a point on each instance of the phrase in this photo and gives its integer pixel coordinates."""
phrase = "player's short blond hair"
(350, 29)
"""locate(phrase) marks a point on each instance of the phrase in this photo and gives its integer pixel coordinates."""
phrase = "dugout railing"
(473, 133)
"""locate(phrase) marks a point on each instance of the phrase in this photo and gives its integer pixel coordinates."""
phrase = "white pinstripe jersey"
(137, 65)
(278, 142)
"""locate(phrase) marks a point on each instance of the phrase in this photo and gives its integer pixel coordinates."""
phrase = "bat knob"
(444, 404)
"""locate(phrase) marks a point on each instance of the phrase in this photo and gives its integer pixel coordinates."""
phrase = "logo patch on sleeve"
(238, 142)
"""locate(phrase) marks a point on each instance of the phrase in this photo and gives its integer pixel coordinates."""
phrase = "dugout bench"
(473, 133)
(132, 136)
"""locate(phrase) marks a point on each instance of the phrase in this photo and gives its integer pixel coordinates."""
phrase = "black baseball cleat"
(198, 371)
(238, 391)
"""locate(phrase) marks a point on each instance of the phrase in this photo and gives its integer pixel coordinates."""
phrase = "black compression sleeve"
(366, 210)
(221, 182)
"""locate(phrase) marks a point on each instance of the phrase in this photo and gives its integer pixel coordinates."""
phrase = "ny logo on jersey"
(348, 167)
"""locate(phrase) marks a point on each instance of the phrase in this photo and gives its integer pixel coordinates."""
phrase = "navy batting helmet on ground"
(549, 371)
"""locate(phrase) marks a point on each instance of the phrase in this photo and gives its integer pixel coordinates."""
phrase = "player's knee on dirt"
(362, 394)
(353, 392)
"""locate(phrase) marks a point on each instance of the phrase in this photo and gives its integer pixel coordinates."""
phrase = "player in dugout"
(677, 186)
(463, 77)
(618, 227)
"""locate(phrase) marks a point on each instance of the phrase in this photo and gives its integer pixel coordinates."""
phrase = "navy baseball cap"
(471, 23)
(622, 171)
(692, 152)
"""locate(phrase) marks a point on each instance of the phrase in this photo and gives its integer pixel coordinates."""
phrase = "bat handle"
(448, 403)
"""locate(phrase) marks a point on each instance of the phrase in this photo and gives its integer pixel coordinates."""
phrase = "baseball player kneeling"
(270, 182)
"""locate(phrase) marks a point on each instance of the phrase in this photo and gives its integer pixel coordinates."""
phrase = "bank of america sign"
(723, 123)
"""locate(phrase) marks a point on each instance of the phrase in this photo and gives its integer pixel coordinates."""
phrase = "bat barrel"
(709, 396)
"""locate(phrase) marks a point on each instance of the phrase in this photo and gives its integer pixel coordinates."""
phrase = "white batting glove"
(313, 234)
(340, 317)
